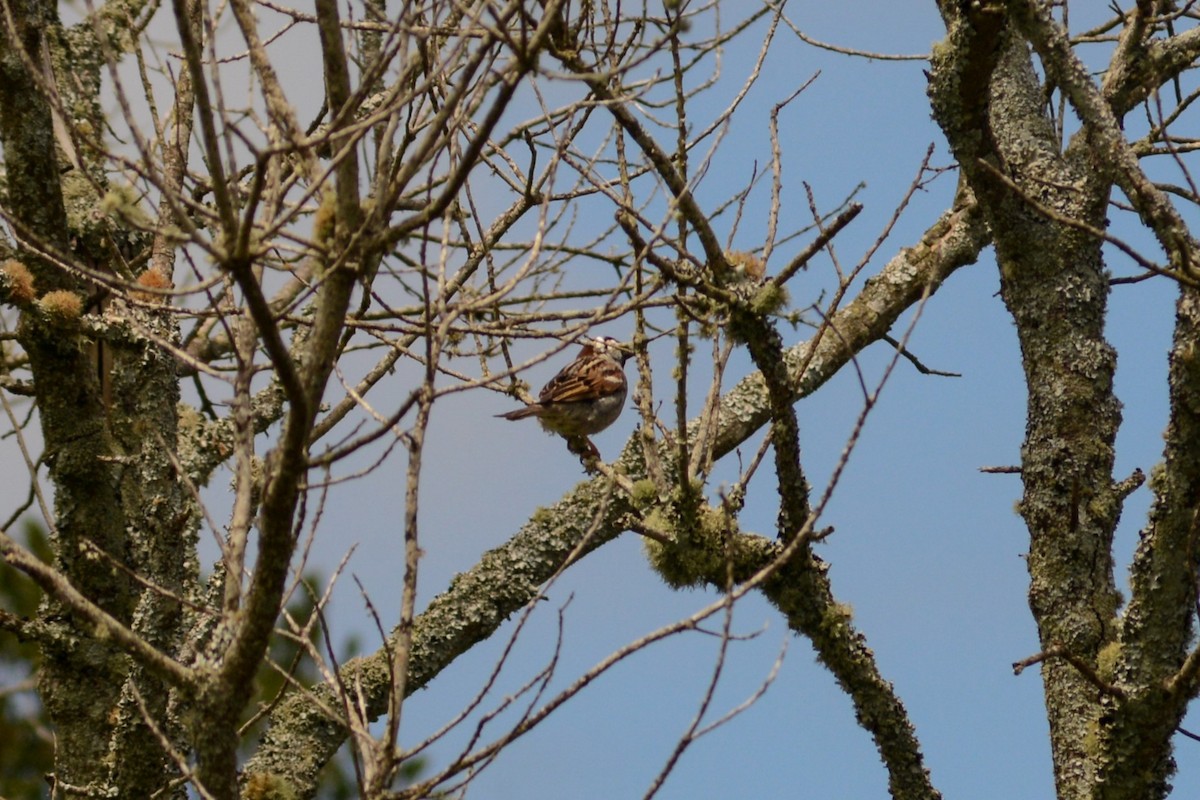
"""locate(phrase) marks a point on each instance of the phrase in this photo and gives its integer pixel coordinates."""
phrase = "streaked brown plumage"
(586, 396)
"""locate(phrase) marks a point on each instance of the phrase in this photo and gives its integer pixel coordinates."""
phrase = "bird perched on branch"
(585, 397)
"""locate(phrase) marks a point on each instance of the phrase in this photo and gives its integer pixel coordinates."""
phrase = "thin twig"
(924, 370)
(1085, 669)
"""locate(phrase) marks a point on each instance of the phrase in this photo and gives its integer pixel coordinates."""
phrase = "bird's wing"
(568, 386)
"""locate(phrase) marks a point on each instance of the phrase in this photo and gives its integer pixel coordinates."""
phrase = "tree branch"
(298, 742)
(106, 625)
(1104, 131)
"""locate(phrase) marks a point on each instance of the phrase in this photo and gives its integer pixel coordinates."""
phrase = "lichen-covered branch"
(1108, 147)
(80, 681)
(991, 105)
(1157, 627)
(299, 740)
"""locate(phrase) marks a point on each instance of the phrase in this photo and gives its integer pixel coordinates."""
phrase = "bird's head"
(607, 346)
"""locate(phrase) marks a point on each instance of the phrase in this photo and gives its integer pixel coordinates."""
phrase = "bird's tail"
(520, 413)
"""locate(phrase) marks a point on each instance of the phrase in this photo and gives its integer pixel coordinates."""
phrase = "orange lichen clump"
(152, 279)
(747, 264)
(62, 305)
(18, 280)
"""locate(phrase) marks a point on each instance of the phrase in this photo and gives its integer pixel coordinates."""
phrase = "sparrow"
(586, 396)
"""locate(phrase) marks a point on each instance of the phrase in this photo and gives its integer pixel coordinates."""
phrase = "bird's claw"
(587, 452)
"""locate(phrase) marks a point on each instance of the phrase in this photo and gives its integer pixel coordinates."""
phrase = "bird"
(585, 397)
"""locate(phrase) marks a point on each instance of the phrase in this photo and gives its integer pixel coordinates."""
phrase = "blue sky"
(927, 549)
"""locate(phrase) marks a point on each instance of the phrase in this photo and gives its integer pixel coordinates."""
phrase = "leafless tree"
(211, 265)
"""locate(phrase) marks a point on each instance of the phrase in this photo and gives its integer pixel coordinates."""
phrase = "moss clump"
(1107, 659)
(268, 786)
(123, 202)
(696, 554)
(676, 564)
(768, 299)
(644, 494)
